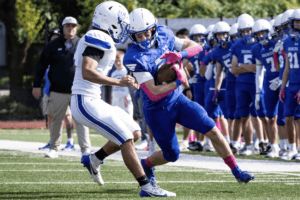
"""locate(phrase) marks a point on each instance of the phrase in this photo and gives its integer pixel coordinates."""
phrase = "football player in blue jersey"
(165, 105)
(279, 60)
(222, 55)
(291, 73)
(263, 53)
(245, 89)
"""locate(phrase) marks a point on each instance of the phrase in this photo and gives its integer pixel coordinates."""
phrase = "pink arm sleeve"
(283, 53)
(153, 97)
(194, 51)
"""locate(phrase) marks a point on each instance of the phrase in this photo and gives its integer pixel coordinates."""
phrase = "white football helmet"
(243, 24)
(261, 25)
(245, 15)
(295, 16)
(221, 27)
(233, 32)
(285, 21)
(272, 22)
(197, 29)
(209, 29)
(113, 17)
(142, 20)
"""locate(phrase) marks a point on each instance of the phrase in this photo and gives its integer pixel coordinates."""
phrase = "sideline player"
(94, 57)
(263, 53)
(165, 105)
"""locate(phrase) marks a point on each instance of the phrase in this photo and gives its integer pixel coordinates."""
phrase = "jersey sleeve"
(98, 40)
(93, 53)
(207, 58)
(178, 44)
(138, 69)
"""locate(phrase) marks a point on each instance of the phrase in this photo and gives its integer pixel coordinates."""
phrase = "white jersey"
(103, 42)
(117, 91)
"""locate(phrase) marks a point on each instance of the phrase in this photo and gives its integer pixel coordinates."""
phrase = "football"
(166, 73)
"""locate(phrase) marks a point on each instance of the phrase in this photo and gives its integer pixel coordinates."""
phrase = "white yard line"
(196, 161)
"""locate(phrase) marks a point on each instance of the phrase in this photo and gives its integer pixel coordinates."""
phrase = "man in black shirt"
(59, 54)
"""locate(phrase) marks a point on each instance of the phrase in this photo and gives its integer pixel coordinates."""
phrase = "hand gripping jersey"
(291, 48)
(265, 56)
(117, 91)
(145, 63)
(243, 53)
(103, 42)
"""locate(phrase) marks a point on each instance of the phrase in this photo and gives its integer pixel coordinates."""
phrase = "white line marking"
(44, 170)
(292, 183)
(73, 183)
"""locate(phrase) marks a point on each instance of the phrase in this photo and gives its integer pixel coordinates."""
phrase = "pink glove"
(172, 57)
(298, 97)
(282, 95)
(178, 72)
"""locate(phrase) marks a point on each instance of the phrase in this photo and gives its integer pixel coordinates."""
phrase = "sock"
(101, 154)
(200, 142)
(96, 160)
(143, 180)
(190, 139)
(218, 124)
(286, 141)
(230, 161)
(266, 141)
(235, 144)
(151, 143)
(70, 128)
(148, 163)
(248, 146)
(71, 140)
(208, 142)
(261, 141)
(185, 142)
(282, 144)
(293, 147)
(227, 138)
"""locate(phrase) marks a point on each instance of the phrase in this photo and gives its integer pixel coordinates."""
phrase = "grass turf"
(30, 176)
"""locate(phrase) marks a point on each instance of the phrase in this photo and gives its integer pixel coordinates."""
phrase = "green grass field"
(30, 176)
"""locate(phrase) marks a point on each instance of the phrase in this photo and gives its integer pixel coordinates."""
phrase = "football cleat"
(69, 147)
(184, 146)
(247, 151)
(282, 152)
(289, 155)
(242, 176)
(208, 148)
(149, 190)
(234, 149)
(149, 171)
(51, 154)
(273, 153)
(93, 169)
(142, 145)
(47, 146)
(266, 149)
(195, 146)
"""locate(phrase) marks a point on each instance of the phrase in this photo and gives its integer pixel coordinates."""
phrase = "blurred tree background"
(27, 21)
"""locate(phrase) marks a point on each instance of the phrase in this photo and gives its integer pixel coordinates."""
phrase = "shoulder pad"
(98, 39)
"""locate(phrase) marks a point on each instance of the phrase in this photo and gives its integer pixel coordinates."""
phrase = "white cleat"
(142, 145)
(51, 154)
(246, 151)
(154, 191)
(289, 155)
(273, 153)
(282, 152)
(184, 146)
(209, 148)
(93, 168)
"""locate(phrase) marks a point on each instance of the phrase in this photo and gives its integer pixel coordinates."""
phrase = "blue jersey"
(281, 61)
(291, 48)
(224, 57)
(139, 61)
(265, 56)
(244, 55)
(211, 57)
(196, 61)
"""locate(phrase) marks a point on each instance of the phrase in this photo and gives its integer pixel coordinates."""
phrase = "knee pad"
(171, 155)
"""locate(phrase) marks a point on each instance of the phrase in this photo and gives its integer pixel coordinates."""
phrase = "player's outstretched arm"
(90, 73)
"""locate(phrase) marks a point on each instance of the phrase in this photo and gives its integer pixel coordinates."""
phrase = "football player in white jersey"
(94, 57)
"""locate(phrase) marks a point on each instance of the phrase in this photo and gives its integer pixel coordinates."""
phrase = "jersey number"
(227, 64)
(196, 64)
(270, 60)
(247, 59)
(293, 65)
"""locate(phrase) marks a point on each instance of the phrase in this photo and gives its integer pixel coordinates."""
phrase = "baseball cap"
(69, 20)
